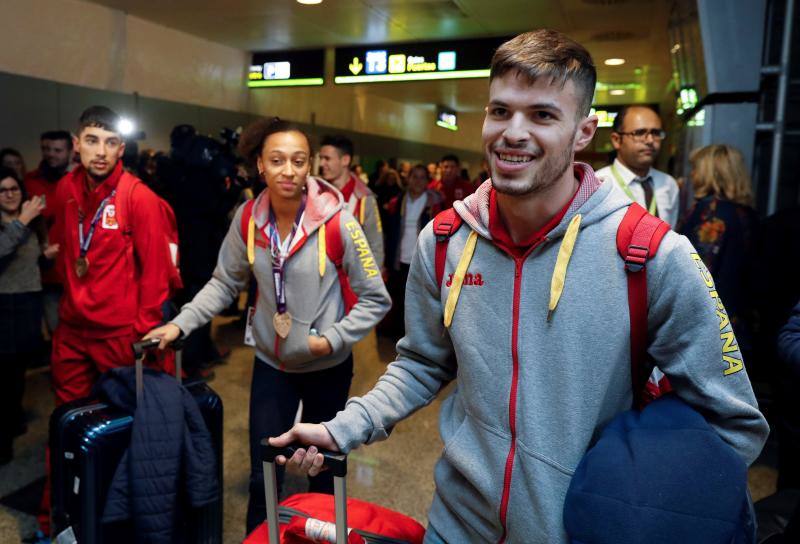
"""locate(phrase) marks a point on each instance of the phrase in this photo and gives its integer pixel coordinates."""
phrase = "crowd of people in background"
(391, 205)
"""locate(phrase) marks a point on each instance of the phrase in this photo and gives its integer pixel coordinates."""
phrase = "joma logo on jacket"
(469, 279)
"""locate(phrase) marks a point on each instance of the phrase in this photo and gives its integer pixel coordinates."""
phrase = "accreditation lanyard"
(653, 210)
(85, 242)
(279, 251)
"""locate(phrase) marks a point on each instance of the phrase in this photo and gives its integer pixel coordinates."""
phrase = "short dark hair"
(6, 172)
(342, 143)
(100, 117)
(450, 157)
(551, 54)
(421, 167)
(251, 142)
(619, 120)
(57, 135)
(9, 151)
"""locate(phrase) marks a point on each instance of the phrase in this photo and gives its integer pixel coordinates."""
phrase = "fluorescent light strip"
(445, 125)
(608, 86)
(416, 76)
(286, 82)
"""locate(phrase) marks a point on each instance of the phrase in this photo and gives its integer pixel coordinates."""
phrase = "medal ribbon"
(653, 210)
(279, 252)
(85, 242)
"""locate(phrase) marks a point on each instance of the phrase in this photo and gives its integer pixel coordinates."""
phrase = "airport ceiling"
(635, 30)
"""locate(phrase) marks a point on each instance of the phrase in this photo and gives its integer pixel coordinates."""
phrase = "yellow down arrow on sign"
(356, 66)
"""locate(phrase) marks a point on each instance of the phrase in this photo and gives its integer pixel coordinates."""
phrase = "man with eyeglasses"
(636, 135)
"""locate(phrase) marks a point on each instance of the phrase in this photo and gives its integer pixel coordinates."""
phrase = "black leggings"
(12, 387)
(274, 398)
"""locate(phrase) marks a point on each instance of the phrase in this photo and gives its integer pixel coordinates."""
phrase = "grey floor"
(396, 473)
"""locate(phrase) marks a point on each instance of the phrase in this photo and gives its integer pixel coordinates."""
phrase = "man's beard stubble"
(550, 171)
(53, 173)
(100, 178)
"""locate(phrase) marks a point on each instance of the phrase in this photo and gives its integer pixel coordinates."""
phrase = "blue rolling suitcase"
(87, 441)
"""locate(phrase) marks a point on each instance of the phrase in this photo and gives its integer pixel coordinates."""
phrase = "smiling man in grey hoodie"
(540, 370)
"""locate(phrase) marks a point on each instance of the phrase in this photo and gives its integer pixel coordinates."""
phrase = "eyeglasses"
(641, 134)
(11, 190)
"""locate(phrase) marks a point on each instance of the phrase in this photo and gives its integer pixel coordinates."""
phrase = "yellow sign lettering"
(355, 66)
(362, 246)
(734, 365)
(706, 275)
(723, 319)
(730, 342)
(727, 338)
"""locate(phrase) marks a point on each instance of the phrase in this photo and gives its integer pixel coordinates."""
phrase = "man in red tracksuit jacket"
(56, 159)
(115, 285)
(115, 268)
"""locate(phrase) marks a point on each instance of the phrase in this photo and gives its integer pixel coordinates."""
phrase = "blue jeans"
(274, 398)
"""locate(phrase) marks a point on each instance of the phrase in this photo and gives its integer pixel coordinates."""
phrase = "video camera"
(207, 157)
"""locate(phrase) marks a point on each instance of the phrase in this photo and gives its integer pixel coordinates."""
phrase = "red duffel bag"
(312, 517)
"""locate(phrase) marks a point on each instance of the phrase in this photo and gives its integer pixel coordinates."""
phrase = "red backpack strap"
(122, 204)
(445, 225)
(638, 237)
(334, 248)
(247, 213)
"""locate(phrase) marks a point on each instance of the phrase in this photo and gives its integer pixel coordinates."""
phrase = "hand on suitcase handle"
(284, 449)
(139, 348)
(168, 335)
(333, 461)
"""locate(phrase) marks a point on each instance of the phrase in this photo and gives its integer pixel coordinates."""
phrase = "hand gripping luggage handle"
(139, 351)
(336, 463)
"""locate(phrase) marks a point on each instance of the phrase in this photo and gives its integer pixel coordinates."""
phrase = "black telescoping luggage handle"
(141, 348)
(336, 463)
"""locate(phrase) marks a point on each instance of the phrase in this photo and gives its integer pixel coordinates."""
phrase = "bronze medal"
(282, 323)
(81, 266)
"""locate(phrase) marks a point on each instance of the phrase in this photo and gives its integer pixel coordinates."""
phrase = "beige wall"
(76, 42)
(79, 43)
(350, 108)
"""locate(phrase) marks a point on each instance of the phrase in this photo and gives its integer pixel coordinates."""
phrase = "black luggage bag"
(87, 441)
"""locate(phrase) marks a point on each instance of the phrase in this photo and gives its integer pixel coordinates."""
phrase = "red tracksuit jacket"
(37, 185)
(127, 280)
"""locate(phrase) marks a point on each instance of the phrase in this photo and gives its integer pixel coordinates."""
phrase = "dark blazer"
(789, 342)
(395, 217)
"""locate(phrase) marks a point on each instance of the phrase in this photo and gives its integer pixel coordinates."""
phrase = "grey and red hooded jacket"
(360, 201)
(313, 292)
(540, 370)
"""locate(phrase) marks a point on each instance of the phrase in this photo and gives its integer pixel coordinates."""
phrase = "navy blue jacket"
(170, 447)
(660, 476)
(789, 341)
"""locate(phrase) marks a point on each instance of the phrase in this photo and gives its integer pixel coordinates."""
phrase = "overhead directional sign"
(287, 68)
(415, 61)
(446, 118)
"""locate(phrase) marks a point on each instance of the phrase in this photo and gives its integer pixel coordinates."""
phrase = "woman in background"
(11, 158)
(23, 240)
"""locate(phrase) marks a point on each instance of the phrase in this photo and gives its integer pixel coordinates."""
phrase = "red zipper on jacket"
(519, 261)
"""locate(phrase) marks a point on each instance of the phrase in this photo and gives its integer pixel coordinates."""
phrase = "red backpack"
(638, 238)
(334, 248)
(127, 184)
